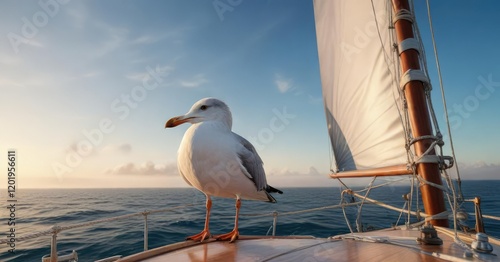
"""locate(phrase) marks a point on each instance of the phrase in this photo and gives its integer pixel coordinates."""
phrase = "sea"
(300, 212)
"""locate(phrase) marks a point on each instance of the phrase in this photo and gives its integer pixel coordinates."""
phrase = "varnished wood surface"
(420, 120)
(383, 171)
(401, 246)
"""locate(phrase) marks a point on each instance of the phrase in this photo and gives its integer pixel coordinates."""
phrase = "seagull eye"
(203, 107)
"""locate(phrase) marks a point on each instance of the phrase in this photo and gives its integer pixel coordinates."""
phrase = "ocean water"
(38, 210)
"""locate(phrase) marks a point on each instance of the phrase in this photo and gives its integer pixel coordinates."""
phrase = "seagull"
(218, 162)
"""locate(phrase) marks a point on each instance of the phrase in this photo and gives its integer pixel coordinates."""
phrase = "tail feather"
(270, 198)
(271, 189)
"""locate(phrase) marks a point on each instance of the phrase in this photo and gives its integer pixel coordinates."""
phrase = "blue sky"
(88, 85)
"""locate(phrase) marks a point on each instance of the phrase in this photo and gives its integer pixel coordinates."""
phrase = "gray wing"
(252, 162)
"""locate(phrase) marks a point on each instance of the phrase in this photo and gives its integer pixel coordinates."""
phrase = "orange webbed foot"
(205, 234)
(231, 236)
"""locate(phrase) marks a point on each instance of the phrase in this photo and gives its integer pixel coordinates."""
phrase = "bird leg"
(205, 233)
(233, 235)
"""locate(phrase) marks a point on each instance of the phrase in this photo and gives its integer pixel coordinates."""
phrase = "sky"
(87, 86)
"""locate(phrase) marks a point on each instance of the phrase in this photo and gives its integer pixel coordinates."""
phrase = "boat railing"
(55, 230)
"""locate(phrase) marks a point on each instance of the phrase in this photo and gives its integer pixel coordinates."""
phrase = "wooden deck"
(396, 245)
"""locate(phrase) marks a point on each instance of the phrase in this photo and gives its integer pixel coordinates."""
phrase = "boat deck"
(386, 245)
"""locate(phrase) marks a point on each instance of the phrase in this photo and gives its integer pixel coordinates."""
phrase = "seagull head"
(207, 109)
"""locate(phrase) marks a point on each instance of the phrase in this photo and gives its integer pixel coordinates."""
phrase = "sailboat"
(381, 123)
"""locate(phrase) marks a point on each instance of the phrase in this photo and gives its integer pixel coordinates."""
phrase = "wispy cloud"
(136, 76)
(287, 172)
(81, 148)
(36, 79)
(116, 37)
(103, 37)
(140, 76)
(147, 39)
(315, 100)
(86, 149)
(147, 168)
(282, 84)
(124, 148)
(479, 170)
(196, 81)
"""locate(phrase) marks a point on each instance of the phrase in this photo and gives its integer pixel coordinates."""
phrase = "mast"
(420, 121)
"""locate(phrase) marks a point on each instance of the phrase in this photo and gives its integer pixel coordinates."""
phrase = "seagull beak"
(178, 120)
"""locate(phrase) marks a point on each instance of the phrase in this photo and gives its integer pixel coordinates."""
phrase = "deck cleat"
(429, 236)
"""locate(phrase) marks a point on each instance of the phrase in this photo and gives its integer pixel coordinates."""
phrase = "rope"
(359, 226)
(401, 214)
(444, 215)
(454, 205)
(30, 236)
(376, 202)
(317, 209)
(404, 14)
(492, 217)
(393, 241)
(343, 209)
(383, 184)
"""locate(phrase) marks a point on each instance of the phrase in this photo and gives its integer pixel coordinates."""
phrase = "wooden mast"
(420, 121)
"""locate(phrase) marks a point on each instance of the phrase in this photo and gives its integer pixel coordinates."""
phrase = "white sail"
(360, 83)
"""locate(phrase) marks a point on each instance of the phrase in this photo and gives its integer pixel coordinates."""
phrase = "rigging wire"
(359, 225)
(454, 205)
(410, 199)
(449, 191)
(431, 28)
(438, 142)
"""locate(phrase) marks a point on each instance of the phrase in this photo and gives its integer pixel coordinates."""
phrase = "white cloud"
(146, 168)
(83, 149)
(117, 37)
(282, 84)
(479, 170)
(196, 81)
(147, 39)
(136, 76)
(124, 148)
(140, 76)
(287, 172)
